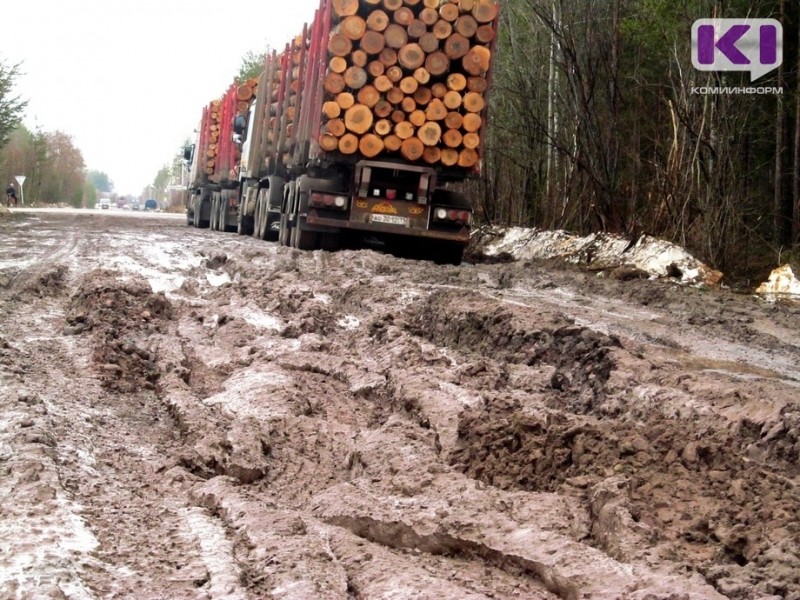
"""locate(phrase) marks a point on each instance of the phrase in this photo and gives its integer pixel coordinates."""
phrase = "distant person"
(11, 195)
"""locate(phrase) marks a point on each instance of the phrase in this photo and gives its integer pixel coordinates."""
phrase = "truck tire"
(285, 230)
(261, 212)
(448, 253)
(214, 212)
(274, 198)
(244, 224)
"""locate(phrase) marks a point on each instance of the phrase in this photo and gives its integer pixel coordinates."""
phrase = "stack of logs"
(245, 96)
(408, 76)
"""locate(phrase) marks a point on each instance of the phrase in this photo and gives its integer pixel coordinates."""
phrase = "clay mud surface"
(191, 414)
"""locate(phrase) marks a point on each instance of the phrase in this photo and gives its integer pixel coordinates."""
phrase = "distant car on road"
(150, 204)
(135, 205)
(105, 203)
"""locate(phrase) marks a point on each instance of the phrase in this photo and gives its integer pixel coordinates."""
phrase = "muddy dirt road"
(188, 414)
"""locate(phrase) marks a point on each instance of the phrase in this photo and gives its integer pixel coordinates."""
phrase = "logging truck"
(355, 131)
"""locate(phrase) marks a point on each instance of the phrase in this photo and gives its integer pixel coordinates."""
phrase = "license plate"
(390, 219)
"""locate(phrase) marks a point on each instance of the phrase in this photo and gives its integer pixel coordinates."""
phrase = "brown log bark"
(331, 110)
(337, 64)
(429, 16)
(403, 16)
(456, 46)
(472, 122)
(377, 20)
(388, 56)
(368, 96)
(430, 133)
(466, 25)
(432, 154)
(411, 56)
(373, 42)
(417, 118)
(359, 58)
(392, 143)
(474, 102)
(429, 42)
(358, 119)
(452, 138)
(370, 145)
(335, 127)
(345, 100)
(436, 110)
(376, 68)
(442, 29)
(339, 45)
(408, 104)
(404, 130)
(456, 82)
(449, 157)
(348, 144)
(477, 60)
(334, 83)
(416, 29)
(355, 78)
(437, 63)
(454, 120)
(438, 89)
(398, 116)
(394, 73)
(423, 95)
(448, 12)
(412, 149)
(422, 75)
(471, 140)
(353, 28)
(485, 34)
(382, 109)
(395, 95)
(328, 142)
(382, 83)
(383, 127)
(477, 84)
(484, 11)
(409, 85)
(345, 8)
(453, 100)
(396, 36)
(467, 158)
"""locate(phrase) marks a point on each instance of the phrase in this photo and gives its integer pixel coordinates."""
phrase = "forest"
(599, 122)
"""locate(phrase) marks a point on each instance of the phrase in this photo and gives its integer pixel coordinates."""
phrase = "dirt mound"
(120, 314)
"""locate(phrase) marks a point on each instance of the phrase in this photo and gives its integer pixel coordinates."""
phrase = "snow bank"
(781, 285)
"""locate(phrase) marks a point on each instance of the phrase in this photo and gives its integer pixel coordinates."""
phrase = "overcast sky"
(128, 79)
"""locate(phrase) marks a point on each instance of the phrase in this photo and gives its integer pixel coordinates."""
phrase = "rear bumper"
(314, 221)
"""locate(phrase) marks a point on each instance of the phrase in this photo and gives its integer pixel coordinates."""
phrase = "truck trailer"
(357, 130)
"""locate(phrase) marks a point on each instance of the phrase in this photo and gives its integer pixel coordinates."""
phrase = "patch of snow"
(782, 284)
(217, 555)
(217, 279)
(349, 322)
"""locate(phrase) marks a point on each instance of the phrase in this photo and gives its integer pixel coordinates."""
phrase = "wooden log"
(417, 118)
(392, 5)
(337, 64)
(368, 96)
(370, 145)
(476, 61)
(339, 45)
(477, 84)
(345, 100)
(416, 29)
(449, 12)
(434, 4)
(423, 95)
(395, 95)
(432, 154)
(429, 16)
(449, 157)
(411, 56)
(377, 20)
(373, 43)
(454, 120)
(471, 140)
(422, 75)
(358, 119)
(472, 122)
(466, 25)
(348, 144)
(456, 82)
(438, 89)
(335, 127)
(394, 73)
(409, 85)
(430, 133)
(353, 28)
(442, 29)
(392, 142)
(404, 129)
(382, 109)
(465, 6)
(412, 149)
(453, 100)
(396, 36)
(408, 105)
(485, 34)
(382, 83)
(456, 46)
(373, 2)
(244, 92)
(474, 102)
(383, 127)
(398, 116)
(345, 8)
(359, 58)
(436, 110)
(467, 158)
(429, 42)
(355, 77)
(376, 68)
(388, 56)
(331, 110)
(484, 11)
(452, 138)
(403, 16)
(437, 63)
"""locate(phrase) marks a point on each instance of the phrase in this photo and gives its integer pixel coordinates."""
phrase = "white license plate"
(390, 219)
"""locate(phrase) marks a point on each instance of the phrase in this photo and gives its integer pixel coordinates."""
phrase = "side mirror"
(188, 152)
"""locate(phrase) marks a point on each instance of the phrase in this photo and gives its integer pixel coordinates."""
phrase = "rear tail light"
(452, 215)
(328, 201)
